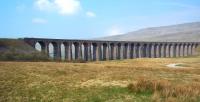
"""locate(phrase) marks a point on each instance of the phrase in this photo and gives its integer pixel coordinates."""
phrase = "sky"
(86, 19)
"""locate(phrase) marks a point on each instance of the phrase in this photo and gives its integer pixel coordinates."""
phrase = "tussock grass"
(164, 90)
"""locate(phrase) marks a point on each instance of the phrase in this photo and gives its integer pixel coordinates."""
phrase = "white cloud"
(63, 7)
(44, 5)
(39, 21)
(115, 30)
(90, 14)
(67, 6)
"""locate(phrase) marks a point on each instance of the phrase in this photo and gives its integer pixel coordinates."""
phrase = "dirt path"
(174, 65)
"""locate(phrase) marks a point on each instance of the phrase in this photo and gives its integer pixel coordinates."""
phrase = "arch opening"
(125, 51)
(156, 51)
(132, 51)
(85, 50)
(62, 48)
(40, 46)
(138, 51)
(150, 50)
(144, 53)
(52, 50)
(105, 53)
(94, 51)
(112, 52)
(118, 51)
(160, 51)
(76, 49)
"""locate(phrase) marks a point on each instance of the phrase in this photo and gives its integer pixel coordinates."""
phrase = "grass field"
(137, 80)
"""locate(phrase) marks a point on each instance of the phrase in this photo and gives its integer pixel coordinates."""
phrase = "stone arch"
(112, 51)
(150, 50)
(132, 51)
(89, 51)
(171, 50)
(156, 52)
(40, 46)
(94, 51)
(144, 51)
(51, 50)
(196, 45)
(194, 49)
(184, 49)
(189, 49)
(76, 50)
(138, 50)
(55, 50)
(180, 50)
(175, 54)
(160, 50)
(68, 51)
(85, 49)
(119, 50)
(62, 51)
(125, 51)
(105, 51)
(165, 50)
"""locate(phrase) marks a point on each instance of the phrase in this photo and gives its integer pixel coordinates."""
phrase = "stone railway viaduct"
(92, 50)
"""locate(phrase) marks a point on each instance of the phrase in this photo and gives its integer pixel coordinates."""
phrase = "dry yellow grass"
(97, 81)
(164, 90)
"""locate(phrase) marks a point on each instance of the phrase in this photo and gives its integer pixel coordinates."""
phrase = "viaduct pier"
(94, 50)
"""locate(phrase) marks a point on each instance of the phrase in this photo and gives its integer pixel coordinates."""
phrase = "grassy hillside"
(17, 49)
(180, 32)
(137, 80)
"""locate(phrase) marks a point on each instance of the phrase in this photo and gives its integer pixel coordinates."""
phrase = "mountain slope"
(180, 32)
(18, 50)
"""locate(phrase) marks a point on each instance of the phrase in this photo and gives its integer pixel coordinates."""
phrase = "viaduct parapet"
(93, 50)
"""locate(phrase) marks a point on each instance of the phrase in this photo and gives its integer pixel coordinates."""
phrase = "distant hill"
(181, 32)
(18, 50)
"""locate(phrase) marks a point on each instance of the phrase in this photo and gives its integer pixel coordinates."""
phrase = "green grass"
(58, 94)
(182, 65)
